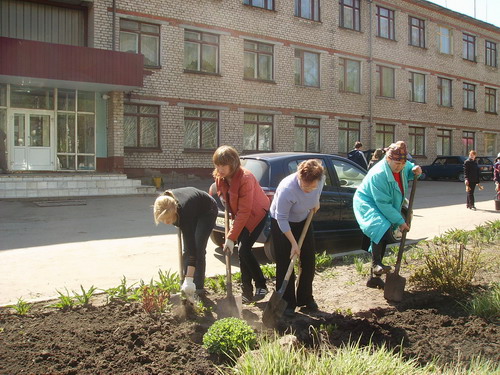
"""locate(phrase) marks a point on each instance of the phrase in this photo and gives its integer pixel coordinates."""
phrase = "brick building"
(158, 85)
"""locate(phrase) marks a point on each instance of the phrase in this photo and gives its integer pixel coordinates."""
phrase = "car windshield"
(259, 169)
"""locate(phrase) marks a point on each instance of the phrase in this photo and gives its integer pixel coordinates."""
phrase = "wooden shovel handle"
(294, 258)
(179, 249)
(229, 283)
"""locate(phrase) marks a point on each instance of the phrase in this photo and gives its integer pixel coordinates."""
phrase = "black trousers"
(307, 259)
(470, 194)
(249, 266)
(378, 249)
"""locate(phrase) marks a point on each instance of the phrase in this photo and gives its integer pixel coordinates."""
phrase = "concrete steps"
(56, 185)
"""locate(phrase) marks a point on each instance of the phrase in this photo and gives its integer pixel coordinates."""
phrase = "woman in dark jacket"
(471, 174)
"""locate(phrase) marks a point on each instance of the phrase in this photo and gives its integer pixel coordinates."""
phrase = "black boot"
(375, 281)
(378, 251)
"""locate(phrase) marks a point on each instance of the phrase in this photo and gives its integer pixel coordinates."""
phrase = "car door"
(327, 218)
(348, 177)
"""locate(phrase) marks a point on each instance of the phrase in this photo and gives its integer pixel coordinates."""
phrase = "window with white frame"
(490, 95)
(416, 141)
(307, 9)
(350, 77)
(349, 134)
(444, 92)
(266, 4)
(490, 53)
(258, 61)
(469, 96)
(385, 81)
(350, 15)
(384, 135)
(417, 32)
(385, 23)
(445, 38)
(306, 134)
(443, 142)
(417, 87)
(141, 37)
(201, 52)
(306, 68)
(141, 124)
(469, 47)
(257, 132)
(200, 128)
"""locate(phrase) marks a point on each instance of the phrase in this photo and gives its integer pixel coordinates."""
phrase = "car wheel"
(487, 178)
(461, 177)
(217, 238)
(269, 249)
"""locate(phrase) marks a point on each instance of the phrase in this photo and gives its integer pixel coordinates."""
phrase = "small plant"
(269, 270)
(486, 305)
(169, 282)
(229, 337)
(65, 301)
(201, 309)
(323, 260)
(236, 277)
(361, 269)
(154, 299)
(122, 292)
(84, 298)
(346, 312)
(22, 307)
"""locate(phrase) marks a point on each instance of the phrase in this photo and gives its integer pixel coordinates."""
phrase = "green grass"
(486, 305)
(21, 307)
(84, 298)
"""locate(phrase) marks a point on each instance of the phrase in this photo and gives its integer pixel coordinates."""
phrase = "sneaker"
(246, 300)
(260, 293)
(289, 312)
(380, 269)
(473, 208)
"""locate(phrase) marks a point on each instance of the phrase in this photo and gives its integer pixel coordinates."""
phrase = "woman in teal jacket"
(378, 201)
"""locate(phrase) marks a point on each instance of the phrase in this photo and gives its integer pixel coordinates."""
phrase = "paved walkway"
(44, 249)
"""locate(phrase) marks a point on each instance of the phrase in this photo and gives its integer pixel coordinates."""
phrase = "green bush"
(229, 337)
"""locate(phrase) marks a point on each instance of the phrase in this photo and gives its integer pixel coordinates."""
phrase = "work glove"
(229, 246)
(188, 288)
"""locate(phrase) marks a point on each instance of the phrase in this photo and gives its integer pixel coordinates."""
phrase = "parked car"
(334, 221)
(453, 167)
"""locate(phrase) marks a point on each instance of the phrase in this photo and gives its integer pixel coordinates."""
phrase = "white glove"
(229, 246)
(188, 288)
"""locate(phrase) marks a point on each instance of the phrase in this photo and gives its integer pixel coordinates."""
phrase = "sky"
(486, 10)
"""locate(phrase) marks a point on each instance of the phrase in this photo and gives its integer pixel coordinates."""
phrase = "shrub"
(229, 337)
(154, 299)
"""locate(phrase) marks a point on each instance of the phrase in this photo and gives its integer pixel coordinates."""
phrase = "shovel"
(231, 305)
(276, 304)
(394, 283)
(183, 306)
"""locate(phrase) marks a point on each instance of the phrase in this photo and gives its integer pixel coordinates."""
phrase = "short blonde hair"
(310, 170)
(472, 152)
(226, 155)
(165, 209)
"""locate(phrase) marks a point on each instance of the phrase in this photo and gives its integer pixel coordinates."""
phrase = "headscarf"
(397, 151)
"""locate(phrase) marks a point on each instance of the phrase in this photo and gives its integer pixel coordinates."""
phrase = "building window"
(469, 47)
(306, 134)
(306, 68)
(417, 32)
(443, 142)
(469, 96)
(141, 37)
(491, 53)
(201, 52)
(384, 135)
(416, 142)
(349, 134)
(258, 61)
(385, 23)
(350, 14)
(490, 144)
(141, 125)
(385, 81)
(200, 129)
(417, 82)
(350, 79)
(266, 4)
(444, 92)
(491, 100)
(468, 143)
(258, 132)
(445, 40)
(307, 9)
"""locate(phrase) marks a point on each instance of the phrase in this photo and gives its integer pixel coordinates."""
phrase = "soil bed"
(123, 339)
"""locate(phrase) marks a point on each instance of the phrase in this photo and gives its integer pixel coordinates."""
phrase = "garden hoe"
(230, 306)
(276, 304)
(394, 282)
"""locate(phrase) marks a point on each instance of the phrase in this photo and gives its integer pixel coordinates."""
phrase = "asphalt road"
(96, 241)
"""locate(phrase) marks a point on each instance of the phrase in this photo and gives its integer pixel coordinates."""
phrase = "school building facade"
(154, 87)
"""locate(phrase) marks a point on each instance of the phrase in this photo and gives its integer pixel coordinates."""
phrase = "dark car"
(453, 167)
(334, 221)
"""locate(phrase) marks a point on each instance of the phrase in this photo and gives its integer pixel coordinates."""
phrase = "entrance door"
(32, 147)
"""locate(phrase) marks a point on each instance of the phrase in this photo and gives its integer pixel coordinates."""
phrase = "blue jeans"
(204, 225)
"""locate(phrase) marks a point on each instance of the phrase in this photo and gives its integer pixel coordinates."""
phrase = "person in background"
(496, 175)
(3, 158)
(471, 174)
(248, 205)
(295, 196)
(358, 156)
(194, 212)
(378, 154)
(378, 201)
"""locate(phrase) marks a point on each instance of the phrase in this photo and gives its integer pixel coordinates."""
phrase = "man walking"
(358, 156)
